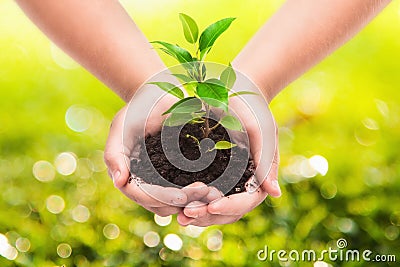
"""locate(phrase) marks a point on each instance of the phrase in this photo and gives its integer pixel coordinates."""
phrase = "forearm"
(298, 36)
(101, 36)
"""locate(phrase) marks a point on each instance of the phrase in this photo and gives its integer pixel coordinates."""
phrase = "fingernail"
(116, 175)
(194, 215)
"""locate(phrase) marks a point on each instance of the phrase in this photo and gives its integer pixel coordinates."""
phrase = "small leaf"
(177, 119)
(169, 88)
(186, 105)
(190, 29)
(190, 88)
(184, 78)
(196, 121)
(228, 77)
(212, 32)
(214, 93)
(181, 54)
(204, 72)
(223, 145)
(231, 123)
(242, 93)
(193, 68)
(188, 83)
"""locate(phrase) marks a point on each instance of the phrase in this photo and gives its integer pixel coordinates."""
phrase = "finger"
(267, 169)
(212, 195)
(183, 220)
(212, 219)
(165, 211)
(114, 156)
(165, 195)
(195, 209)
(196, 191)
(144, 195)
(271, 184)
(237, 204)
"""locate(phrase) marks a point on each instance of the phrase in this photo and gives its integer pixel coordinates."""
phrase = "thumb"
(267, 160)
(114, 155)
(271, 184)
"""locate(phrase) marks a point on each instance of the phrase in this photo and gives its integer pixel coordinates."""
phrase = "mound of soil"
(189, 148)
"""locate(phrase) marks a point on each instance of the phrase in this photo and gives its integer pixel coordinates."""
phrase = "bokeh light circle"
(215, 240)
(80, 214)
(78, 118)
(151, 239)
(173, 242)
(44, 171)
(111, 231)
(162, 221)
(64, 250)
(320, 164)
(55, 204)
(65, 163)
(23, 244)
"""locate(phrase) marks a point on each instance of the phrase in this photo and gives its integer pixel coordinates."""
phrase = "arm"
(101, 36)
(300, 35)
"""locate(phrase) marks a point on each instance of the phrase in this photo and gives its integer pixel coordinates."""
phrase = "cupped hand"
(263, 138)
(116, 157)
(122, 144)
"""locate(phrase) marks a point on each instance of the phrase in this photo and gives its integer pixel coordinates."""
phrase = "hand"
(116, 158)
(230, 209)
(157, 199)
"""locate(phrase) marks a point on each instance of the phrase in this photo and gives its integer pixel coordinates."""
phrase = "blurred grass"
(346, 109)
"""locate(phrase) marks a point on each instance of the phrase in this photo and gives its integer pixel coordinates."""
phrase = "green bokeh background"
(347, 110)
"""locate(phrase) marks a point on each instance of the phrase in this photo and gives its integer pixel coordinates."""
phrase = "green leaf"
(188, 83)
(212, 32)
(169, 88)
(204, 72)
(184, 78)
(196, 121)
(231, 123)
(181, 54)
(190, 88)
(186, 105)
(204, 52)
(228, 77)
(190, 29)
(214, 93)
(198, 115)
(223, 145)
(242, 93)
(177, 119)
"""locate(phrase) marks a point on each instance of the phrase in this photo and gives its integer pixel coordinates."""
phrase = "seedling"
(202, 93)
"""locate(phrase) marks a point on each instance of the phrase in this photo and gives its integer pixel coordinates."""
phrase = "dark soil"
(189, 148)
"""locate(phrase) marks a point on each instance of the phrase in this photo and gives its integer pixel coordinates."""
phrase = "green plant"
(201, 93)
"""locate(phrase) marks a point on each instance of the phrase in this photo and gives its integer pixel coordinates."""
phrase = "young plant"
(201, 93)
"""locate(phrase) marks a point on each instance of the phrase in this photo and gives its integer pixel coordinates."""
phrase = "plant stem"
(206, 122)
(194, 138)
(200, 71)
(214, 127)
